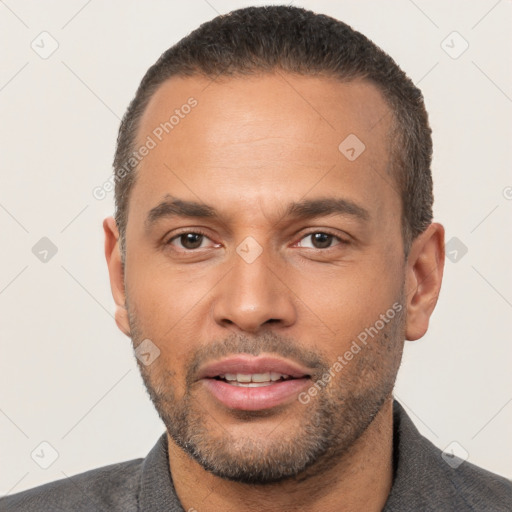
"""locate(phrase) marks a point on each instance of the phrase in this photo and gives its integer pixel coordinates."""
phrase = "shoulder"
(426, 479)
(114, 487)
(480, 489)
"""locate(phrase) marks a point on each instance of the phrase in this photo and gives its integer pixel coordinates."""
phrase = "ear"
(116, 273)
(424, 274)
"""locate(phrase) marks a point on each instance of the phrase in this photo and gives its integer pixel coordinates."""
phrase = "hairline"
(393, 167)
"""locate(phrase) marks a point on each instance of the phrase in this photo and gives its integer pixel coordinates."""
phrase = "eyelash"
(341, 241)
(203, 233)
(186, 232)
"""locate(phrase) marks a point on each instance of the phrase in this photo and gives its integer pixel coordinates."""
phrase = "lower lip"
(255, 399)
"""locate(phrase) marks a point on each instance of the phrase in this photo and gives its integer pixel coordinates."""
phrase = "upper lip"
(248, 365)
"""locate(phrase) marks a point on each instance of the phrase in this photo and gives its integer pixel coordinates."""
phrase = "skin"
(250, 147)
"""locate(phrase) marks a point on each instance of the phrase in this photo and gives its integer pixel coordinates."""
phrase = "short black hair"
(257, 40)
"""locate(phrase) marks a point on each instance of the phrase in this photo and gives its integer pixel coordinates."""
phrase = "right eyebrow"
(174, 207)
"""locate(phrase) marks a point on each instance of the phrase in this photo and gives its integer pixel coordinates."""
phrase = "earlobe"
(424, 274)
(121, 317)
(116, 273)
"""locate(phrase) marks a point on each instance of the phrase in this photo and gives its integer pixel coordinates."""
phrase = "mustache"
(268, 343)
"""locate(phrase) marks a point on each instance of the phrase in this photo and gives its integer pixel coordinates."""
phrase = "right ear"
(116, 273)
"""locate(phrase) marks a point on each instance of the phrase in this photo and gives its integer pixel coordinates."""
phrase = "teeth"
(254, 379)
(250, 384)
(260, 377)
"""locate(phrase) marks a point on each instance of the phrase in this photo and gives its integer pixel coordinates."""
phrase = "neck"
(361, 479)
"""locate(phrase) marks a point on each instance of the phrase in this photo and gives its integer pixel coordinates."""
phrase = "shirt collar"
(157, 491)
(413, 458)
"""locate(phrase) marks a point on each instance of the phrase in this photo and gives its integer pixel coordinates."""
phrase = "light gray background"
(68, 376)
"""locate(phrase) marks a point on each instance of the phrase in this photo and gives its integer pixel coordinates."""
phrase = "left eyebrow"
(325, 206)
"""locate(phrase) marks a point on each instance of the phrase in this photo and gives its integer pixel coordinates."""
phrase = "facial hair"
(325, 428)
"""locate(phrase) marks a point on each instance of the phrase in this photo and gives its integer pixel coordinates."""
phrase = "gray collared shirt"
(423, 481)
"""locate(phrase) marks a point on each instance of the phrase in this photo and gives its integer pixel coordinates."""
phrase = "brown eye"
(319, 240)
(191, 240)
(188, 241)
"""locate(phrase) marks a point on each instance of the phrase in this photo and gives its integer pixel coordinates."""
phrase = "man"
(272, 248)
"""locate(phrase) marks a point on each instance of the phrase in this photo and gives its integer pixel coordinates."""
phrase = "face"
(266, 265)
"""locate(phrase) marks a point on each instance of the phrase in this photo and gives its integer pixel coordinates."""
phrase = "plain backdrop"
(67, 375)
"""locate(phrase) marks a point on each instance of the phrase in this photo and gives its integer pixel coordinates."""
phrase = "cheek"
(167, 305)
(347, 299)
(162, 294)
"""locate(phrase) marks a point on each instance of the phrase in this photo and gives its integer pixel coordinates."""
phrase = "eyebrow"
(174, 207)
(306, 209)
(327, 206)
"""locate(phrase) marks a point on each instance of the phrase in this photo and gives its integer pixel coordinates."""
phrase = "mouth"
(254, 383)
(255, 380)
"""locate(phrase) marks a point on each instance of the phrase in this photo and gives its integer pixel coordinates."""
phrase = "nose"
(252, 296)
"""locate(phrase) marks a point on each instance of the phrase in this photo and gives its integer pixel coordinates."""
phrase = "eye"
(189, 241)
(320, 240)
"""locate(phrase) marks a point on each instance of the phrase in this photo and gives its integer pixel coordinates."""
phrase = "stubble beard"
(324, 430)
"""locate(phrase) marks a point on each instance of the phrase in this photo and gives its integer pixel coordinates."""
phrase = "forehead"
(264, 138)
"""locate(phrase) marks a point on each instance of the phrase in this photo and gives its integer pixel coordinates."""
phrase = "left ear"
(424, 274)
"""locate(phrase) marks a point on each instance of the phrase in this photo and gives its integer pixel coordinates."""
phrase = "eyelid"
(196, 231)
(341, 239)
(199, 231)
